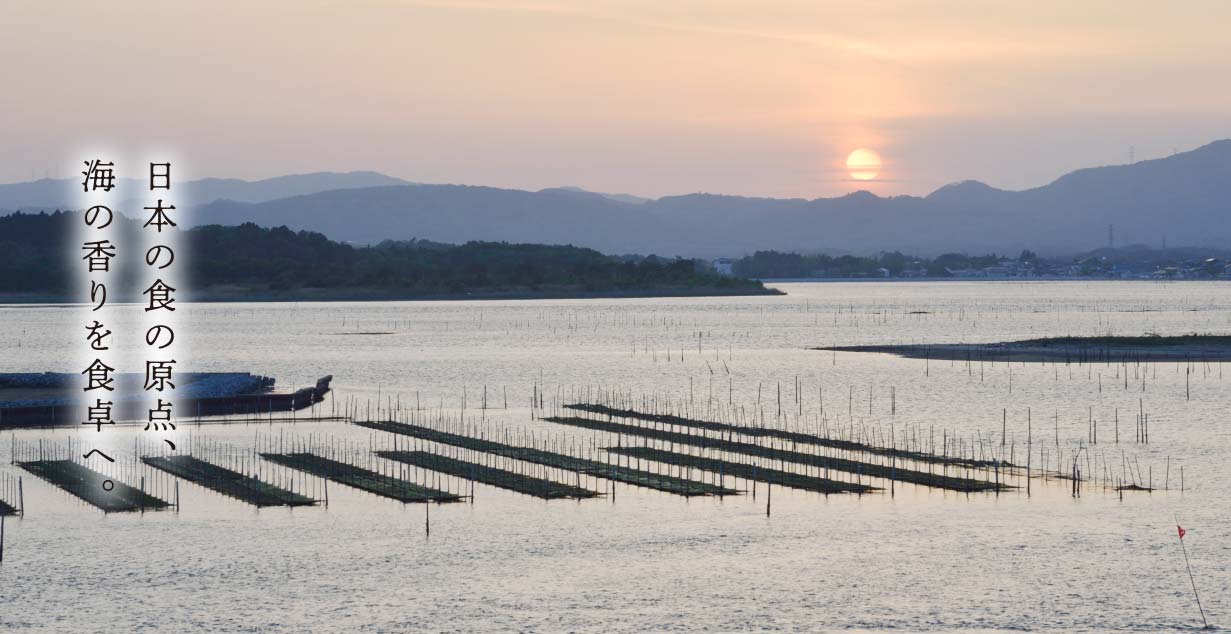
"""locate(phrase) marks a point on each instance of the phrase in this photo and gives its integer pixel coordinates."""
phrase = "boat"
(50, 399)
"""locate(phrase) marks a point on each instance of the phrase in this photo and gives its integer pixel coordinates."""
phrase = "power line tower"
(1111, 237)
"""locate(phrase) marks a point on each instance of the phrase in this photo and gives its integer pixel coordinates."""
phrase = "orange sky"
(646, 97)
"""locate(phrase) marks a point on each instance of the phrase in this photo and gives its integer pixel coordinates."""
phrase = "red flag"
(1181, 530)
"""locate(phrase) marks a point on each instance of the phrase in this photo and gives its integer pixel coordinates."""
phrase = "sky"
(753, 98)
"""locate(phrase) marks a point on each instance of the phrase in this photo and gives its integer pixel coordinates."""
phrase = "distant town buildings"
(724, 266)
(1002, 269)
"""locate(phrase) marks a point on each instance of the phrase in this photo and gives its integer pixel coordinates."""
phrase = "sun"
(863, 164)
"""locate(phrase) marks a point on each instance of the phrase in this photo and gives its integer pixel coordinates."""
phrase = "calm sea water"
(921, 560)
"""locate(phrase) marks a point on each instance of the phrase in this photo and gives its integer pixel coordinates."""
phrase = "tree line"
(280, 259)
(775, 264)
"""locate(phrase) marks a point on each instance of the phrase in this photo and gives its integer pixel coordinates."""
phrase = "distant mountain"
(210, 189)
(624, 198)
(1184, 199)
(447, 213)
(61, 193)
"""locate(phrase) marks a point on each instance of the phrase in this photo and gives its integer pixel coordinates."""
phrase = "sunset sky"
(762, 98)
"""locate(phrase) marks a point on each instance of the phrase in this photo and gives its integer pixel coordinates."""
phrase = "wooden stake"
(1190, 573)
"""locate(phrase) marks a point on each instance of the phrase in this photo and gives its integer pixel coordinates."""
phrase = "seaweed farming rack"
(384, 485)
(11, 495)
(528, 485)
(227, 482)
(788, 435)
(92, 486)
(750, 472)
(610, 437)
(817, 460)
(58, 464)
(608, 470)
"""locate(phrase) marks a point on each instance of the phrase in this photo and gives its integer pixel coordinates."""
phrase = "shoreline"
(328, 295)
(1188, 348)
(830, 280)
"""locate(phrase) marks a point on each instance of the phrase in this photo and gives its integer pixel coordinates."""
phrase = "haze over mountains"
(1184, 199)
(64, 193)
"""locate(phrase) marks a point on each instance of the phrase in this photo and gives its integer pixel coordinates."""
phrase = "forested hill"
(248, 262)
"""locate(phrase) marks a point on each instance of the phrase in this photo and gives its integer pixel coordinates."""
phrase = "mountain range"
(65, 193)
(1184, 199)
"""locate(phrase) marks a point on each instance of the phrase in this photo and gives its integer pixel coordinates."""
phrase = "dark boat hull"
(186, 409)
